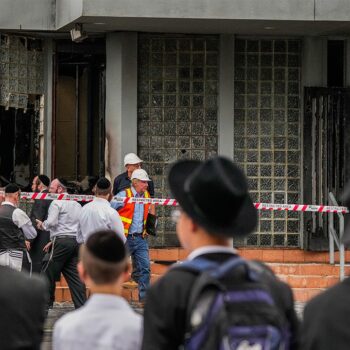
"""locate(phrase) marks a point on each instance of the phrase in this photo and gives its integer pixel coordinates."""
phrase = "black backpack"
(231, 308)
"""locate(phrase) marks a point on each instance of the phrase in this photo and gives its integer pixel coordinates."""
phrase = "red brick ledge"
(169, 255)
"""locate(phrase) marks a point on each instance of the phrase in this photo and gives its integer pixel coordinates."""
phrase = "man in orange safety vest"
(134, 217)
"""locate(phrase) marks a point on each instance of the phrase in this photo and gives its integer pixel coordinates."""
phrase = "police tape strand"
(173, 202)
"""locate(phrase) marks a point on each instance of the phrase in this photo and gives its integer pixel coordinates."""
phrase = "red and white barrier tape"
(173, 202)
(302, 207)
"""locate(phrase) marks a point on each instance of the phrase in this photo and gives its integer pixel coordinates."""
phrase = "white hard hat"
(132, 158)
(140, 174)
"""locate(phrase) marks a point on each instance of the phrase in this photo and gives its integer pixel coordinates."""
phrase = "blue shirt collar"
(135, 193)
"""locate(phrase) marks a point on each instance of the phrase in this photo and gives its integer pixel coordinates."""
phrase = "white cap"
(140, 174)
(132, 158)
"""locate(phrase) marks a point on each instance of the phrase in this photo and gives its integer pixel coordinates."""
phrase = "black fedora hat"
(214, 194)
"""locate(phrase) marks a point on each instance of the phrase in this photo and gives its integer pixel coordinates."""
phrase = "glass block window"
(177, 109)
(21, 70)
(267, 132)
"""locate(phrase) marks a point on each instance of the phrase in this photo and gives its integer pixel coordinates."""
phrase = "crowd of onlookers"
(213, 300)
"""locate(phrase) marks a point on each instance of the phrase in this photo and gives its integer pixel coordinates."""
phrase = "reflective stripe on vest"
(127, 211)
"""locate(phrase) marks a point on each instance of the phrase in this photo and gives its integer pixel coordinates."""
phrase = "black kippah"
(11, 188)
(44, 179)
(103, 183)
(107, 246)
(63, 182)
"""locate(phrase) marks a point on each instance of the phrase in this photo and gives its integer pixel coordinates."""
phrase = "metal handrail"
(333, 237)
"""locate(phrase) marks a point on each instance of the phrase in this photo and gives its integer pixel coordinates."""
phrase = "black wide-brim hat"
(215, 195)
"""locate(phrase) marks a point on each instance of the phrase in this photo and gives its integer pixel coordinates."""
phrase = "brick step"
(309, 281)
(130, 292)
(62, 294)
(303, 295)
(281, 255)
(313, 269)
(307, 269)
(308, 273)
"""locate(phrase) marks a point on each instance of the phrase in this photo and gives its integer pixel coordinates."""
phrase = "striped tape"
(173, 202)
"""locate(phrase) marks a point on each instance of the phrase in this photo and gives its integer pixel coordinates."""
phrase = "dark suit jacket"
(326, 320)
(22, 304)
(39, 211)
(166, 305)
(121, 182)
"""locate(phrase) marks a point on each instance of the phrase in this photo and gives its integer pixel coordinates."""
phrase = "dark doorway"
(335, 63)
(79, 119)
(19, 148)
(326, 155)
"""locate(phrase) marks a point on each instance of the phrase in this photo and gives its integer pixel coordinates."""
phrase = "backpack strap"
(218, 270)
(253, 271)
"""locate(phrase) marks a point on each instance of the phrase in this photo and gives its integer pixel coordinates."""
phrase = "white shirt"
(210, 249)
(22, 221)
(62, 218)
(99, 215)
(105, 322)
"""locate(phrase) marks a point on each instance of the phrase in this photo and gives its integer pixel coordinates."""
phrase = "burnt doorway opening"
(79, 121)
(335, 63)
(326, 156)
(19, 144)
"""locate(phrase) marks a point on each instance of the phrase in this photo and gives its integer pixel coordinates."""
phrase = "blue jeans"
(138, 249)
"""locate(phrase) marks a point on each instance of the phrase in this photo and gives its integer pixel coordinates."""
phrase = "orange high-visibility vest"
(127, 211)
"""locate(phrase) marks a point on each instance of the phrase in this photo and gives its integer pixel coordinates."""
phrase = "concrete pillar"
(226, 93)
(48, 105)
(314, 62)
(121, 99)
(226, 96)
(313, 74)
(347, 62)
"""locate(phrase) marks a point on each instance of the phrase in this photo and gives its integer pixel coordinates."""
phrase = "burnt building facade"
(265, 86)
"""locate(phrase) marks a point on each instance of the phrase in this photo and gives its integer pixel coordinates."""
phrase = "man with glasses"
(15, 229)
(123, 181)
(134, 217)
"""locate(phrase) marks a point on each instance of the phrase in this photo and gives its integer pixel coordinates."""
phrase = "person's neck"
(207, 240)
(103, 196)
(115, 289)
(129, 174)
(10, 200)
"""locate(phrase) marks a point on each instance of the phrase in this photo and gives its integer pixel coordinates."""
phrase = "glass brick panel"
(21, 71)
(178, 107)
(267, 132)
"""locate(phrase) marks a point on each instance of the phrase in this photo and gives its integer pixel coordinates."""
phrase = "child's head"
(104, 260)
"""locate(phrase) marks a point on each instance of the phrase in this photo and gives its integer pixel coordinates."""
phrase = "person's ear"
(82, 271)
(193, 226)
(126, 274)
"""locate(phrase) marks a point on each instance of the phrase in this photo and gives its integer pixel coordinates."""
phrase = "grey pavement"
(62, 308)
